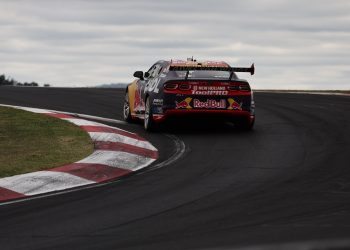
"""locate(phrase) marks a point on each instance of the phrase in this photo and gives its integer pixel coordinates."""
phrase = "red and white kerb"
(117, 153)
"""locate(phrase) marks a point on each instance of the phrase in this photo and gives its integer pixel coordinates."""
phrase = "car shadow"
(200, 127)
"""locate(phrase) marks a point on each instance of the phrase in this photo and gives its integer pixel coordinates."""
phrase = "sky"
(70, 43)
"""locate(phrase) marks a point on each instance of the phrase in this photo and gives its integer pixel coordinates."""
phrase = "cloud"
(86, 42)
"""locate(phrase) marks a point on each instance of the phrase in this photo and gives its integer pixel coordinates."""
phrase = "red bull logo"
(185, 104)
(209, 104)
(233, 105)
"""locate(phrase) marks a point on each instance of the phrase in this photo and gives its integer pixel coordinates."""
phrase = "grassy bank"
(31, 142)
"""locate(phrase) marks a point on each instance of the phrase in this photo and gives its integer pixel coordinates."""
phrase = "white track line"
(179, 151)
(35, 110)
(82, 122)
(103, 119)
(96, 118)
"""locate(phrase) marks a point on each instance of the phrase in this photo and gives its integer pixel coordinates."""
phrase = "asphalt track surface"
(286, 181)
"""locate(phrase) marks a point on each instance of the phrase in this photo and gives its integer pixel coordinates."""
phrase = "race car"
(179, 88)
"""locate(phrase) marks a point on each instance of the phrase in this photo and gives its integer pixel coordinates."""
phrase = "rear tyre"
(245, 124)
(126, 109)
(149, 124)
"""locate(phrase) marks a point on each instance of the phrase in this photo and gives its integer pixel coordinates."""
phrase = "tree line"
(12, 82)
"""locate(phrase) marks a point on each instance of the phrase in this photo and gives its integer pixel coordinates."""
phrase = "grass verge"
(31, 142)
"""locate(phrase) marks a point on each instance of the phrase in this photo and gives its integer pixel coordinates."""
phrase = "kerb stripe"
(111, 130)
(118, 146)
(92, 172)
(59, 115)
(6, 194)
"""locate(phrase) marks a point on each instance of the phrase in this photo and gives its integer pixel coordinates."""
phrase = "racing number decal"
(154, 79)
(152, 85)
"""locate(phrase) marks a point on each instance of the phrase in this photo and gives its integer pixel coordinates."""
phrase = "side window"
(160, 69)
(150, 71)
(155, 71)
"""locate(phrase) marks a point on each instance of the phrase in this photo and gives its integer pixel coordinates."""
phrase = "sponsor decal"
(216, 64)
(166, 70)
(233, 105)
(191, 63)
(158, 102)
(209, 90)
(210, 104)
(185, 104)
(138, 102)
(157, 110)
(152, 85)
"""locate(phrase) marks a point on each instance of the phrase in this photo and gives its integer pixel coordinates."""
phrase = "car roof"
(194, 63)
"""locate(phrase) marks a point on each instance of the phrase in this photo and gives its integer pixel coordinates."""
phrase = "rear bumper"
(210, 113)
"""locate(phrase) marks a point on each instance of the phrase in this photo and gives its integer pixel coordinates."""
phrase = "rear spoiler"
(233, 69)
(192, 68)
(251, 70)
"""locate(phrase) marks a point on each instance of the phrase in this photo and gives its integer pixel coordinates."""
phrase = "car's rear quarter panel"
(131, 91)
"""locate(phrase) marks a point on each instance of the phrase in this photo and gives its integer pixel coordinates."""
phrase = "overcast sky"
(294, 44)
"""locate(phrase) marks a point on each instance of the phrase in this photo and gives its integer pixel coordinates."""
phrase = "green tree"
(2, 80)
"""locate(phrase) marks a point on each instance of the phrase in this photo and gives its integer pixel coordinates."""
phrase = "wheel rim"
(126, 106)
(147, 114)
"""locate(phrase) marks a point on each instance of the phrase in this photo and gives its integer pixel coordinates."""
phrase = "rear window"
(204, 74)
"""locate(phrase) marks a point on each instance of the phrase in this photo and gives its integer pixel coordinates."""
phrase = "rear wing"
(251, 70)
(199, 66)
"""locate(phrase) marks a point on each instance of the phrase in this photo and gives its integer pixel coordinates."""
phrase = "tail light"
(239, 87)
(244, 87)
(171, 86)
(184, 87)
(233, 87)
(177, 85)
